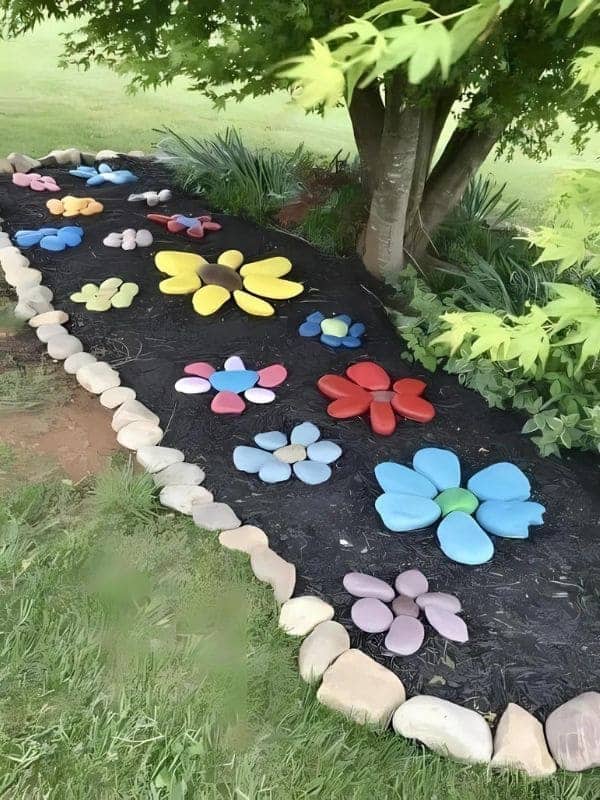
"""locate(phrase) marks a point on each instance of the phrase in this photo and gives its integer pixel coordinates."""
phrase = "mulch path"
(533, 611)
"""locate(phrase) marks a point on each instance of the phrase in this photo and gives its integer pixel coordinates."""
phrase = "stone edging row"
(351, 682)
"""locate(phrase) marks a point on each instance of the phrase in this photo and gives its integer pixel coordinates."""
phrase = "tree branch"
(367, 114)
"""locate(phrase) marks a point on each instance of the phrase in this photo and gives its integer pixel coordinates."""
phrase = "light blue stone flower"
(306, 454)
(416, 498)
(337, 331)
(104, 174)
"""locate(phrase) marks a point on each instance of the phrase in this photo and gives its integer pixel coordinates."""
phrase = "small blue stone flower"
(337, 331)
(50, 238)
(498, 496)
(275, 457)
(104, 174)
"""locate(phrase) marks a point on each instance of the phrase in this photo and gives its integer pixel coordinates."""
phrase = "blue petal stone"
(28, 239)
(249, 459)
(442, 467)
(351, 342)
(462, 540)
(510, 518)
(316, 317)
(95, 180)
(233, 380)
(274, 470)
(325, 452)
(394, 477)
(308, 329)
(189, 222)
(104, 167)
(52, 243)
(49, 231)
(69, 236)
(344, 318)
(406, 512)
(312, 472)
(83, 172)
(306, 433)
(357, 329)
(271, 440)
(331, 341)
(502, 481)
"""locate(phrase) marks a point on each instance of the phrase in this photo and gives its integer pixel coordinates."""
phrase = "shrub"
(333, 225)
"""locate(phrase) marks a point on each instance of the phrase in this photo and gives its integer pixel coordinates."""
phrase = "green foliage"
(233, 177)
(586, 70)
(22, 389)
(541, 363)
(333, 225)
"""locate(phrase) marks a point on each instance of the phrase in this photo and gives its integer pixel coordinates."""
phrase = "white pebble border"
(352, 683)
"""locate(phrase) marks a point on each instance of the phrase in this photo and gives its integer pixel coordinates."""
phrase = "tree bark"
(384, 238)
(367, 116)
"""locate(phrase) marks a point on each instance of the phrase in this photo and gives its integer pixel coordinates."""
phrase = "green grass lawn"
(141, 660)
(43, 107)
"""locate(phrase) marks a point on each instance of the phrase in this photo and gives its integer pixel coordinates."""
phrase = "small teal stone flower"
(337, 331)
(305, 453)
(416, 498)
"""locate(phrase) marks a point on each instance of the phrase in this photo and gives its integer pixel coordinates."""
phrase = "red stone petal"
(336, 386)
(415, 408)
(347, 407)
(383, 419)
(272, 376)
(199, 368)
(162, 218)
(227, 403)
(369, 375)
(209, 225)
(174, 226)
(409, 386)
(196, 231)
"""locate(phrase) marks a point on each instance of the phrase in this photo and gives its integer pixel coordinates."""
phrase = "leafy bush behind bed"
(252, 183)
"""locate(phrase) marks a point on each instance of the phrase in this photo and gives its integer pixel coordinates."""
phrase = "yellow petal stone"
(124, 297)
(209, 299)
(231, 258)
(99, 303)
(253, 305)
(173, 262)
(184, 283)
(110, 283)
(55, 206)
(269, 267)
(273, 288)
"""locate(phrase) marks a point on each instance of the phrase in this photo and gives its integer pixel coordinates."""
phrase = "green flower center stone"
(334, 327)
(457, 500)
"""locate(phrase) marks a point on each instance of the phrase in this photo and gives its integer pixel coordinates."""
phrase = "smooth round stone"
(215, 517)
(371, 615)
(320, 648)
(324, 452)
(78, 360)
(233, 380)
(199, 369)
(394, 477)
(406, 512)
(291, 453)
(359, 584)
(447, 624)
(49, 318)
(143, 238)
(131, 411)
(300, 615)
(192, 385)
(234, 363)
(258, 395)
(249, 459)
(463, 540)
(272, 376)
(502, 481)
(411, 583)
(309, 329)
(244, 539)
(274, 471)
(155, 458)
(457, 500)
(45, 332)
(448, 602)
(405, 636)
(227, 403)
(510, 519)
(179, 474)
(140, 433)
(334, 327)
(62, 346)
(271, 440)
(312, 472)
(112, 398)
(183, 498)
(331, 341)
(405, 606)
(97, 377)
(306, 433)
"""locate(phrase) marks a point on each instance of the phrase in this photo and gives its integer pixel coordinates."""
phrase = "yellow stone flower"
(214, 284)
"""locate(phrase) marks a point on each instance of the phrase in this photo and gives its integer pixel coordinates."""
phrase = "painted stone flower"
(337, 331)
(305, 453)
(368, 388)
(104, 174)
(212, 285)
(231, 382)
(195, 227)
(498, 496)
(54, 239)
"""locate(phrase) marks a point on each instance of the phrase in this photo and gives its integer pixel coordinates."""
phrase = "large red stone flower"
(366, 387)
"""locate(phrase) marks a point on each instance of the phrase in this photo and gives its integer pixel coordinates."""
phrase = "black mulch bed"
(533, 611)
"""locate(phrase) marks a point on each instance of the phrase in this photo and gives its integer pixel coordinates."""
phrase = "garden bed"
(532, 611)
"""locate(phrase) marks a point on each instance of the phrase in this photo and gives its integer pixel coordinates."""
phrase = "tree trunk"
(465, 153)
(367, 115)
(384, 238)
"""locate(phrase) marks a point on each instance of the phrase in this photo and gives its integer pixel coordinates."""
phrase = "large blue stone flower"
(306, 454)
(498, 496)
(337, 331)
